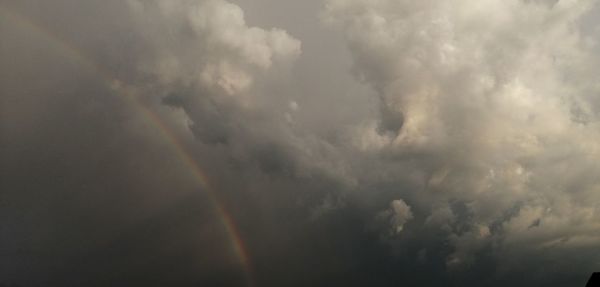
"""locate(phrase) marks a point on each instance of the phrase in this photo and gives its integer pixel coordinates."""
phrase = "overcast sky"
(299, 143)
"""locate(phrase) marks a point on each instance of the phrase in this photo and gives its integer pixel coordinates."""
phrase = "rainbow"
(178, 148)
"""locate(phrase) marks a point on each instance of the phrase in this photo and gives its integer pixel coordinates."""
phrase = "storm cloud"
(349, 142)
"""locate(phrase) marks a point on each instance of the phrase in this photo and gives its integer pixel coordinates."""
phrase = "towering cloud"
(494, 105)
(209, 43)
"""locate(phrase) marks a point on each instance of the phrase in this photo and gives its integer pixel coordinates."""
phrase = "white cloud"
(209, 43)
(498, 104)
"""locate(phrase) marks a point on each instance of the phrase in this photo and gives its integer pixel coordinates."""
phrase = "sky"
(299, 143)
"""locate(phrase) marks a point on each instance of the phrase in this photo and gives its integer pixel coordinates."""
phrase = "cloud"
(396, 216)
(209, 43)
(426, 143)
(493, 102)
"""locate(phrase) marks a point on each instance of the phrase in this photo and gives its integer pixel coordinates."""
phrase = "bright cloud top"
(496, 104)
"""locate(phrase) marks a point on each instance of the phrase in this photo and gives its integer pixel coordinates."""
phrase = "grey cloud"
(492, 94)
(353, 143)
(396, 216)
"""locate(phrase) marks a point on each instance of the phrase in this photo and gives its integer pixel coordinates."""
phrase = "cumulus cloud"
(495, 104)
(218, 50)
(396, 216)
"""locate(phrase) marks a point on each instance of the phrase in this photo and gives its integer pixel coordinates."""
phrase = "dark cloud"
(353, 143)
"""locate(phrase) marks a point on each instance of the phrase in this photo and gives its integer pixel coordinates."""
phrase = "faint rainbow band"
(176, 145)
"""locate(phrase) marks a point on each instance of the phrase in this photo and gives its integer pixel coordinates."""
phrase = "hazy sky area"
(299, 143)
